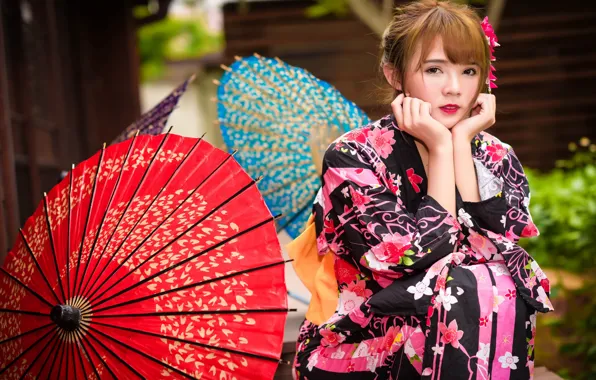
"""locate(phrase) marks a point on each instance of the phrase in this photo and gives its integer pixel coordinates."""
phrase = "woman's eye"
(470, 71)
(433, 70)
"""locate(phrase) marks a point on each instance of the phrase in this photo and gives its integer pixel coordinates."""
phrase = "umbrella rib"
(182, 287)
(193, 312)
(105, 213)
(25, 333)
(26, 350)
(51, 238)
(68, 233)
(251, 183)
(68, 346)
(203, 345)
(247, 115)
(304, 202)
(313, 81)
(152, 232)
(258, 130)
(99, 356)
(145, 280)
(276, 164)
(314, 106)
(81, 344)
(78, 350)
(62, 356)
(27, 312)
(54, 359)
(305, 206)
(288, 183)
(87, 217)
(26, 287)
(143, 354)
(55, 342)
(37, 264)
(116, 356)
(273, 86)
(139, 219)
(266, 149)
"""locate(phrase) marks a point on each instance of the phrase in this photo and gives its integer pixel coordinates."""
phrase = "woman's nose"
(452, 87)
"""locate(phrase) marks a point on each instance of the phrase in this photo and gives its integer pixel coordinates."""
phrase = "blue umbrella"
(281, 119)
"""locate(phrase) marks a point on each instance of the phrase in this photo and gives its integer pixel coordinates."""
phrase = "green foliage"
(173, 39)
(572, 329)
(326, 7)
(563, 206)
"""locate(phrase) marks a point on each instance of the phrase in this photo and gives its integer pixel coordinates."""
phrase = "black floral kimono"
(423, 295)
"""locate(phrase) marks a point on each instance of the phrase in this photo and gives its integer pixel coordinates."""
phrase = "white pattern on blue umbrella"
(281, 119)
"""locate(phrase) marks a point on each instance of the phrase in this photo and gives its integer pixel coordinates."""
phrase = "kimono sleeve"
(505, 194)
(362, 217)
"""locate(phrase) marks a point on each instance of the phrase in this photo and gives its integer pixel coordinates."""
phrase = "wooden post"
(10, 216)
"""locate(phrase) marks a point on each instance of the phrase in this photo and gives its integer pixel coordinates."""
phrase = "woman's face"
(449, 88)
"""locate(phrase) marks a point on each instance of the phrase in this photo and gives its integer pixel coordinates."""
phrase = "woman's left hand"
(482, 117)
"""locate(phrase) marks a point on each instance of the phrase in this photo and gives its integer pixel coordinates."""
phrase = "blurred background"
(74, 74)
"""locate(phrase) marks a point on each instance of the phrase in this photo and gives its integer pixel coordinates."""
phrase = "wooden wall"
(546, 69)
(68, 82)
(545, 66)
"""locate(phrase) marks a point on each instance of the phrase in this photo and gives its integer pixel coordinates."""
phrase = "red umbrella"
(155, 258)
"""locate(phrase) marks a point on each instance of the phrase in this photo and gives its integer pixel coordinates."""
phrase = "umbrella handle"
(298, 297)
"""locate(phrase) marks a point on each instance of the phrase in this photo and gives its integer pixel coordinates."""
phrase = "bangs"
(463, 41)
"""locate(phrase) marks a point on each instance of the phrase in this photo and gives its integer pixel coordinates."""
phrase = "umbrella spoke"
(81, 362)
(68, 233)
(324, 109)
(105, 213)
(128, 347)
(116, 356)
(289, 183)
(193, 343)
(178, 289)
(55, 342)
(62, 356)
(52, 246)
(88, 215)
(153, 231)
(192, 312)
(56, 353)
(180, 263)
(141, 182)
(26, 287)
(45, 279)
(98, 355)
(81, 345)
(73, 330)
(306, 204)
(25, 312)
(246, 187)
(26, 350)
(25, 333)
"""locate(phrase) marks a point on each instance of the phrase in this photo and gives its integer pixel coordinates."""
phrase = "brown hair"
(419, 23)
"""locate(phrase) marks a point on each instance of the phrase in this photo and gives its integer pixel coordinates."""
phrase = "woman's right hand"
(413, 116)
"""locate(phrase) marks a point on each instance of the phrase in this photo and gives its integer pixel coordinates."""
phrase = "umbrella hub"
(66, 316)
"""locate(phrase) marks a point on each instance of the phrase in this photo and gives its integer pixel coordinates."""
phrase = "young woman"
(421, 212)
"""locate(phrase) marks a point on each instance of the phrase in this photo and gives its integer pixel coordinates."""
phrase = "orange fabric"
(316, 273)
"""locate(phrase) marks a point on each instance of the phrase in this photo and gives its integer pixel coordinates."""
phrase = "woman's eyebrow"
(436, 61)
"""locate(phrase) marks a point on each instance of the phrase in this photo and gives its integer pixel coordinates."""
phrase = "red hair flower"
(491, 37)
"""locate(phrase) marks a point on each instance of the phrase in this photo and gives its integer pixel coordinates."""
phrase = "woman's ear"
(390, 76)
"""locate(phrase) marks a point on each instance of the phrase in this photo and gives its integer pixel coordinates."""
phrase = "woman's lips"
(450, 109)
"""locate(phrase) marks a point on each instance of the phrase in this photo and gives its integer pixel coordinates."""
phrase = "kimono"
(423, 294)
